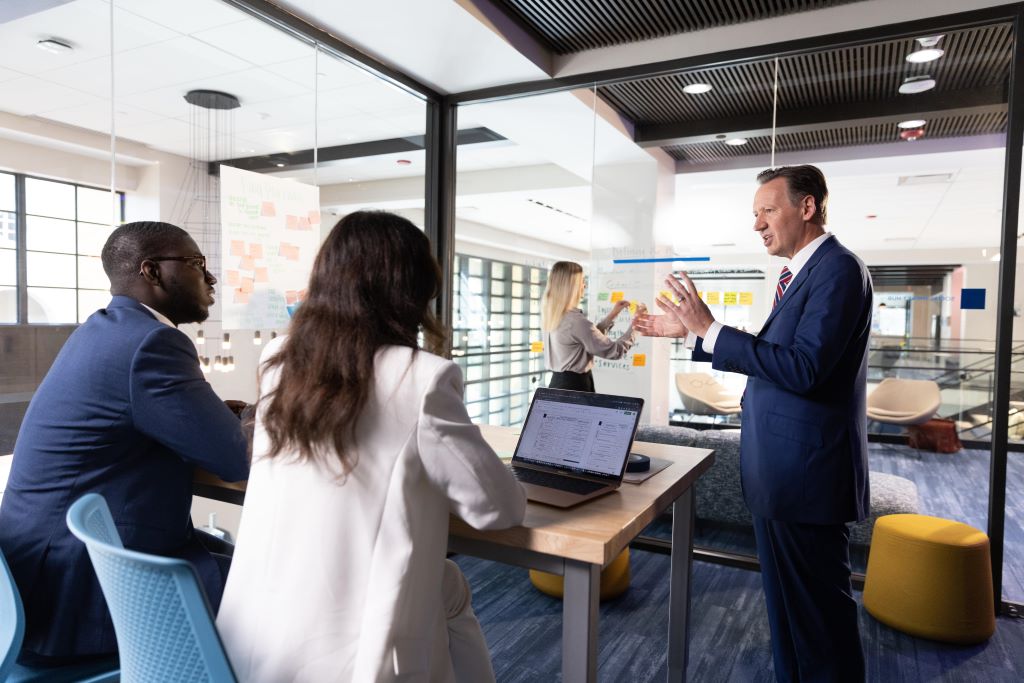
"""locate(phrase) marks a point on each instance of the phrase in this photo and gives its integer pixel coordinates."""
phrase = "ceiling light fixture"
(916, 84)
(697, 88)
(736, 142)
(54, 46)
(912, 123)
(279, 165)
(929, 51)
(403, 162)
(912, 134)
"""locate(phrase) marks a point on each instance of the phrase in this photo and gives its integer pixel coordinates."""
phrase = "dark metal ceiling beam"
(924, 106)
(303, 159)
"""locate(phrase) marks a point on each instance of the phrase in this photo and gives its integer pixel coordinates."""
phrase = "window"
(64, 228)
(492, 335)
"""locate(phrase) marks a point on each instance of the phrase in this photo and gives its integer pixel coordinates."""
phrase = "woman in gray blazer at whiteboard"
(570, 340)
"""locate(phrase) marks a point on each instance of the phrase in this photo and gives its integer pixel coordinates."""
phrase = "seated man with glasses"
(124, 412)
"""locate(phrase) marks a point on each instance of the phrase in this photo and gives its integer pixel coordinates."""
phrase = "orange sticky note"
(261, 275)
(232, 277)
(314, 217)
(639, 360)
(289, 251)
(246, 285)
(292, 222)
(291, 296)
(268, 209)
(617, 296)
(237, 248)
(241, 297)
(247, 263)
(255, 250)
(536, 347)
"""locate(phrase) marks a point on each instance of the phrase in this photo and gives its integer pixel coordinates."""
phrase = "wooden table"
(577, 543)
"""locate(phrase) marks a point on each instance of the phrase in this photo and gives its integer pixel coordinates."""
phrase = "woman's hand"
(617, 308)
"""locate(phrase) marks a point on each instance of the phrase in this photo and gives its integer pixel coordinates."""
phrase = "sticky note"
(237, 248)
(602, 296)
(714, 298)
(617, 296)
(972, 298)
(232, 278)
(669, 295)
(291, 296)
(241, 297)
(746, 298)
(289, 251)
(314, 217)
(536, 347)
(632, 307)
(255, 250)
(292, 222)
(246, 285)
(261, 275)
(639, 360)
(731, 298)
(303, 223)
(268, 209)
(247, 263)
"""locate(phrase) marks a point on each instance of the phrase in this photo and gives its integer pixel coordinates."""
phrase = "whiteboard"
(270, 233)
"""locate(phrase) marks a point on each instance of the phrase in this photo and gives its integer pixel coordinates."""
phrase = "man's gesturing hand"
(691, 312)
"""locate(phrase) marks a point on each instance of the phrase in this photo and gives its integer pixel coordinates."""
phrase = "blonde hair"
(561, 293)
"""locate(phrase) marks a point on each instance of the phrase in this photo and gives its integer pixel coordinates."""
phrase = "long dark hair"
(371, 286)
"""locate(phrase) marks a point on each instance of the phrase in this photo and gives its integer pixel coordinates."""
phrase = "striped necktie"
(785, 277)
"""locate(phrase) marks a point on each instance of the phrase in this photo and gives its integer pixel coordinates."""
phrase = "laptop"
(574, 445)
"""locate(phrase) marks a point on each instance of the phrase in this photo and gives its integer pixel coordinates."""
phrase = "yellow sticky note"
(536, 347)
(639, 360)
(730, 298)
(714, 298)
(617, 296)
(632, 308)
(669, 295)
(746, 298)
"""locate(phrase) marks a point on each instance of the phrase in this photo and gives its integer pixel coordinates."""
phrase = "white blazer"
(341, 581)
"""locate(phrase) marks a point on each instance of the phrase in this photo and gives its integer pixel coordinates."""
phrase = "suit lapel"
(801, 278)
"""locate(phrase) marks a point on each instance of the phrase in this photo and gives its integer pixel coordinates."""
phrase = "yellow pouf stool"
(932, 578)
(614, 579)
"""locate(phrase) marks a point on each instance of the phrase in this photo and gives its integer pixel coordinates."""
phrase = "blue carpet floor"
(729, 638)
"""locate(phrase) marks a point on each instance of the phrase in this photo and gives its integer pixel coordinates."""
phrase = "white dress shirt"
(798, 261)
(158, 315)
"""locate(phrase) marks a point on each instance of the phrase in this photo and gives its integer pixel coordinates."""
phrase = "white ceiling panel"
(172, 62)
(9, 75)
(96, 116)
(85, 25)
(357, 128)
(30, 95)
(183, 16)
(334, 72)
(255, 42)
(250, 87)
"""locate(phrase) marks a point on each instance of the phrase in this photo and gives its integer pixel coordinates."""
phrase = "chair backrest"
(12, 620)
(164, 625)
(907, 395)
(704, 395)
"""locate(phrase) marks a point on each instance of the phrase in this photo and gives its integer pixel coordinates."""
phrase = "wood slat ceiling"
(574, 25)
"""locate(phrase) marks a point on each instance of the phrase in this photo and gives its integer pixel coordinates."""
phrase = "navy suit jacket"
(803, 446)
(124, 412)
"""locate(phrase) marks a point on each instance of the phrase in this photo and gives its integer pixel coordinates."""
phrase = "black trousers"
(577, 381)
(805, 571)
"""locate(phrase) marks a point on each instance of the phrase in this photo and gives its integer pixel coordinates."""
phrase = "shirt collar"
(159, 316)
(801, 257)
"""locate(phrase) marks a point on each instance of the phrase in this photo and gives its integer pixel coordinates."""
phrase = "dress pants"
(577, 381)
(460, 652)
(805, 570)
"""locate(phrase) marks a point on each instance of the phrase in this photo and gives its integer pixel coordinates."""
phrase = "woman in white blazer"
(362, 448)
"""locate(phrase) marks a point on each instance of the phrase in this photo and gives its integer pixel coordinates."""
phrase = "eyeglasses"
(197, 262)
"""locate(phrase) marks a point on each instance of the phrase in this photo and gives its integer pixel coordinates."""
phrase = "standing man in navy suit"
(124, 412)
(803, 446)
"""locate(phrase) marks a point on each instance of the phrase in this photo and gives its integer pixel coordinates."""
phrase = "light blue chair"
(164, 625)
(12, 632)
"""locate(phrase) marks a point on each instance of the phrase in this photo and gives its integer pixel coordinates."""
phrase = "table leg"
(579, 622)
(683, 512)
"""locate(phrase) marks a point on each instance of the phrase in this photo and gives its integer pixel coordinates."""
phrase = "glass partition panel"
(1013, 541)
(523, 202)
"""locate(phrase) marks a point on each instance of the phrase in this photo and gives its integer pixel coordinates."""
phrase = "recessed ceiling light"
(929, 54)
(916, 84)
(912, 134)
(736, 142)
(279, 165)
(54, 46)
(912, 123)
(697, 88)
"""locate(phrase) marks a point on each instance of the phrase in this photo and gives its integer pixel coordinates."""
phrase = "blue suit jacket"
(124, 412)
(803, 447)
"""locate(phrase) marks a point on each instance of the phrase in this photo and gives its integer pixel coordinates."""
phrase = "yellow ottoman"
(932, 578)
(614, 579)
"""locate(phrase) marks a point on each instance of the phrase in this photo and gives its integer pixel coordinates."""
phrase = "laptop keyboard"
(556, 481)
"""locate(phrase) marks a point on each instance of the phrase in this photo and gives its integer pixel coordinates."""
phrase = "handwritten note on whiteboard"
(270, 233)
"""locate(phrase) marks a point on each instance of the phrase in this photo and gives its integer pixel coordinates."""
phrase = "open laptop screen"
(579, 432)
